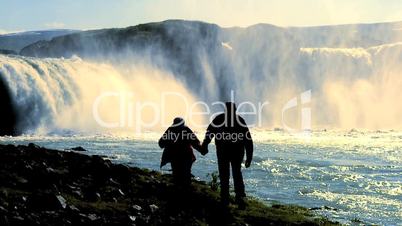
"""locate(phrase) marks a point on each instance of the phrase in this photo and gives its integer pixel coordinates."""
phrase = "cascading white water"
(361, 88)
(55, 95)
(352, 88)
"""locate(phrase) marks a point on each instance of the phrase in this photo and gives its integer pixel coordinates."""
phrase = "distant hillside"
(17, 41)
(6, 51)
(176, 31)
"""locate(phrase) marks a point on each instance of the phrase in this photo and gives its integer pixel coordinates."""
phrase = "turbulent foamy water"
(349, 175)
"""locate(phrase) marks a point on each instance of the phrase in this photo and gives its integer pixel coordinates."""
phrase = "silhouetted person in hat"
(178, 142)
(232, 140)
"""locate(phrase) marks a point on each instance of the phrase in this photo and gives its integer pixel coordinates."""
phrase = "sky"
(22, 15)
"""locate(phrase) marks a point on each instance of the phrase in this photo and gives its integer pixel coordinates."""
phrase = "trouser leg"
(181, 171)
(238, 179)
(175, 171)
(224, 174)
(187, 172)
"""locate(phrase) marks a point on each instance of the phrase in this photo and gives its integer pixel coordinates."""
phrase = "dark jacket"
(231, 134)
(178, 143)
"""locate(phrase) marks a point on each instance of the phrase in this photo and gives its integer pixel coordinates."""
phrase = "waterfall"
(58, 95)
(351, 88)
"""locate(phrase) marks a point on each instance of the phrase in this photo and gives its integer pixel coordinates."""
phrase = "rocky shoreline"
(39, 186)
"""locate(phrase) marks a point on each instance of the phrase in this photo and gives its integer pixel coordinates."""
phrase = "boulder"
(79, 148)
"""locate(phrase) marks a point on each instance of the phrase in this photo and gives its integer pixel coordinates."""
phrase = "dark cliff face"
(172, 45)
(191, 50)
(8, 117)
(174, 38)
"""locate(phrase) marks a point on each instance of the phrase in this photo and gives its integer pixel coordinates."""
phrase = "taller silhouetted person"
(232, 140)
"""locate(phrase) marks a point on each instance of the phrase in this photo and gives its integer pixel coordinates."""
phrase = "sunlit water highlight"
(350, 175)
